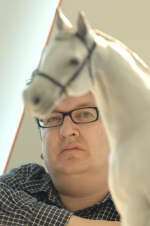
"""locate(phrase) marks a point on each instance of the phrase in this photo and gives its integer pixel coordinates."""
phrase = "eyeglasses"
(78, 116)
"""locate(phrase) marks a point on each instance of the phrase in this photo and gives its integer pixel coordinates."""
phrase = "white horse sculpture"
(76, 61)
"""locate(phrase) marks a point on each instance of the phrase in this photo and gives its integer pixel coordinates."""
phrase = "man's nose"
(69, 128)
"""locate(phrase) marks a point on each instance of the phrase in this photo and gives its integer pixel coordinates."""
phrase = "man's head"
(75, 149)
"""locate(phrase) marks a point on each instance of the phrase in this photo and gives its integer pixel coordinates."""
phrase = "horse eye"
(74, 62)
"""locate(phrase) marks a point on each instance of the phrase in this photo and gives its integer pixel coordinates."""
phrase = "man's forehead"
(76, 101)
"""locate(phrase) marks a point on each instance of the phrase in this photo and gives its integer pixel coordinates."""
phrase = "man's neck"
(74, 203)
(82, 192)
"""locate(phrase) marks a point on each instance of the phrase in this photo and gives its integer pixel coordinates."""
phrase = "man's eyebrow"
(88, 104)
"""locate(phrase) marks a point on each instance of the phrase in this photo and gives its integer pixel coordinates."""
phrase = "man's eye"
(50, 120)
(54, 118)
(84, 114)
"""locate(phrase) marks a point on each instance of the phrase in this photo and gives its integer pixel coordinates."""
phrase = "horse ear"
(83, 25)
(61, 21)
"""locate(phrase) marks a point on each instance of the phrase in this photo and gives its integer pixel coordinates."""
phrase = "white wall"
(24, 26)
(126, 20)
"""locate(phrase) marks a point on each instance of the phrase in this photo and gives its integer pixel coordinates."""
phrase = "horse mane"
(140, 63)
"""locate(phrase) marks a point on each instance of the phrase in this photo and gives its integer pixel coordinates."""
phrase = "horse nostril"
(36, 100)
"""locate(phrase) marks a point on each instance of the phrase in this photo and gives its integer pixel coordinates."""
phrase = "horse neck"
(122, 96)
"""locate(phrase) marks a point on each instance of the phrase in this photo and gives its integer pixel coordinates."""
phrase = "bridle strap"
(39, 73)
(76, 74)
(89, 50)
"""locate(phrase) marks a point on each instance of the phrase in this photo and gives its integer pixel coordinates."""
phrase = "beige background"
(126, 20)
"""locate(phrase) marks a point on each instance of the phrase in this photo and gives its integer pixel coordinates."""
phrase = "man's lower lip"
(71, 149)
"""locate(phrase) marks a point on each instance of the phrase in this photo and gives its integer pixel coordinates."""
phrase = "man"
(75, 191)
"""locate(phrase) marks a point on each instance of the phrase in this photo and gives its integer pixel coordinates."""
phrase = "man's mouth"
(71, 147)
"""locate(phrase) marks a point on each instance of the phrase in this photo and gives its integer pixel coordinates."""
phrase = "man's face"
(75, 148)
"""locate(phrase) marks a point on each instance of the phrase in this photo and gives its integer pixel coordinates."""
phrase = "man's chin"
(72, 166)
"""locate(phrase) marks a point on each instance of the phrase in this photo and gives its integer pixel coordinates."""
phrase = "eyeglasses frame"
(69, 113)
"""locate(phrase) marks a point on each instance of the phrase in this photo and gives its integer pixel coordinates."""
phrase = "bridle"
(63, 88)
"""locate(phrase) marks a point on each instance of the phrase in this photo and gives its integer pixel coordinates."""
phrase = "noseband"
(75, 75)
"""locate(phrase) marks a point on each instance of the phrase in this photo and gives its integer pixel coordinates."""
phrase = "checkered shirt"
(28, 197)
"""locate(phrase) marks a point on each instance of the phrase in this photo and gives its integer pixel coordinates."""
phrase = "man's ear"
(62, 23)
(83, 26)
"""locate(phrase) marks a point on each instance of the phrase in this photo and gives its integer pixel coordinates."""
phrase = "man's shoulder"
(25, 170)
(26, 175)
